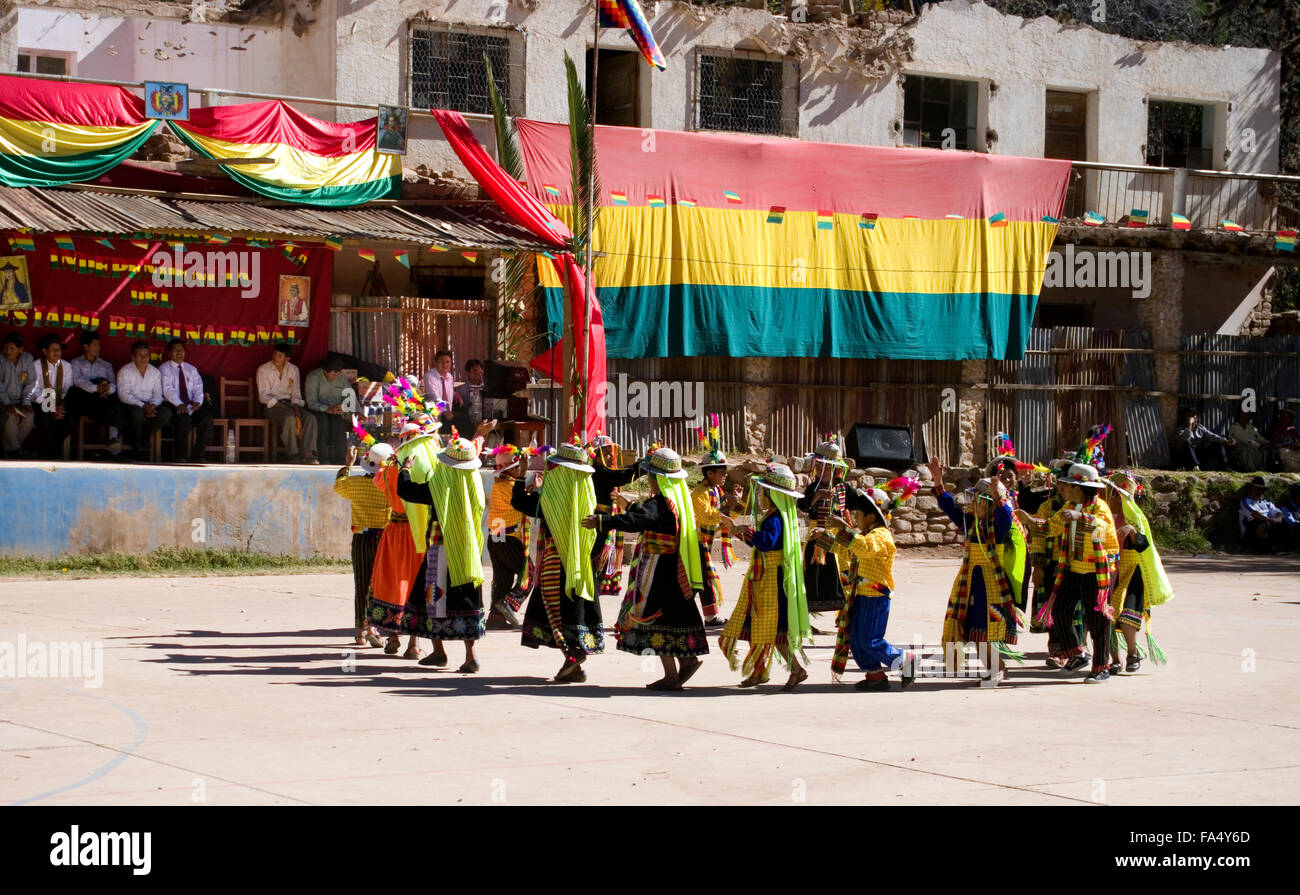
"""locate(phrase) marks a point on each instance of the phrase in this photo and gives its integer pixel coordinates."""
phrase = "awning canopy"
(458, 224)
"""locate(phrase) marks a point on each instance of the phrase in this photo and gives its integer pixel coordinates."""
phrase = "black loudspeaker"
(870, 444)
(503, 380)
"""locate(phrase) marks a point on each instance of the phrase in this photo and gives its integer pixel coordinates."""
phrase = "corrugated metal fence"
(403, 333)
(805, 399)
(1220, 374)
(1071, 379)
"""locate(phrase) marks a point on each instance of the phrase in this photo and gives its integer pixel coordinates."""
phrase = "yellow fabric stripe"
(45, 138)
(725, 247)
(301, 170)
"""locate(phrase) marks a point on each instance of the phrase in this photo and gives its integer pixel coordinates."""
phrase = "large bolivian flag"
(734, 245)
(52, 134)
(316, 162)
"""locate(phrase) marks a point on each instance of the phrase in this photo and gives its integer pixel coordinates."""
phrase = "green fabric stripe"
(688, 539)
(458, 497)
(52, 170)
(798, 625)
(326, 196)
(568, 497)
(686, 320)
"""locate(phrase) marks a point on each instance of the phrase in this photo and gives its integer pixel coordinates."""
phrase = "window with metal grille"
(1180, 135)
(940, 113)
(45, 65)
(447, 70)
(738, 93)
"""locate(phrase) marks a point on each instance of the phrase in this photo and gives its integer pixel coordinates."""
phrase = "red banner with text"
(228, 302)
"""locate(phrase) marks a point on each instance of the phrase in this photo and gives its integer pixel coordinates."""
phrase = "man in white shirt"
(17, 377)
(470, 393)
(182, 388)
(139, 388)
(279, 388)
(94, 391)
(439, 385)
(49, 398)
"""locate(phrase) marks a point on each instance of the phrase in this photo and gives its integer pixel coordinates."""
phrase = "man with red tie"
(182, 388)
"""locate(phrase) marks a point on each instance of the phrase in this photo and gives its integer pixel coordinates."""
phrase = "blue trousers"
(868, 618)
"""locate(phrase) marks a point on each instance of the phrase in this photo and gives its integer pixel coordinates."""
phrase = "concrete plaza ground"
(239, 691)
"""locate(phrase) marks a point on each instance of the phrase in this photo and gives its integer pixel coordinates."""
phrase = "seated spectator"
(1291, 515)
(470, 395)
(183, 391)
(94, 391)
(440, 386)
(50, 397)
(17, 381)
(1196, 447)
(1262, 527)
(279, 388)
(326, 390)
(1250, 453)
(1285, 441)
(139, 389)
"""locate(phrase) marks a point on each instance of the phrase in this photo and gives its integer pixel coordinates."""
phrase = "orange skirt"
(397, 562)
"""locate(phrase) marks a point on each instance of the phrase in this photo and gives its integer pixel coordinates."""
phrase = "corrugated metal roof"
(461, 225)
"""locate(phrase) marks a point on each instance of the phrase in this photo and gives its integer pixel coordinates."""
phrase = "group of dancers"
(1058, 550)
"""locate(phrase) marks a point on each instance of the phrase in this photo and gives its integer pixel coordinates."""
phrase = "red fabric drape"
(528, 212)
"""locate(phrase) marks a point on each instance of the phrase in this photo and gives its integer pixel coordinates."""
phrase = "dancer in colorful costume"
(1081, 538)
(1013, 553)
(396, 604)
(453, 490)
(606, 479)
(866, 547)
(564, 609)
(710, 505)
(981, 606)
(1141, 582)
(370, 513)
(509, 532)
(772, 609)
(824, 497)
(659, 616)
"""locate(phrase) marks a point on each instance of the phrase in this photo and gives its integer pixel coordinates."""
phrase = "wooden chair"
(99, 443)
(218, 445)
(239, 412)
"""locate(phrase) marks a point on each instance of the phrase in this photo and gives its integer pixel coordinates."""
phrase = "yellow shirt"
(1095, 516)
(369, 505)
(872, 559)
(705, 505)
(502, 517)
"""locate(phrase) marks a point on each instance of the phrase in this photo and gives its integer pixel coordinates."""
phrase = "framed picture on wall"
(294, 300)
(390, 138)
(15, 287)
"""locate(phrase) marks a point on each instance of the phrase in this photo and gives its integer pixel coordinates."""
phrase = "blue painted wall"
(61, 508)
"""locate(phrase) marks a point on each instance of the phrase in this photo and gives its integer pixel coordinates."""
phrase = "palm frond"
(511, 335)
(582, 162)
(508, 154)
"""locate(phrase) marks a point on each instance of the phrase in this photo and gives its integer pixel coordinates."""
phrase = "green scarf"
(1155, 583)
(674, 491)
(568, 497)
(458, 498)
(423, 452)
(1011, 555)
(798, 626)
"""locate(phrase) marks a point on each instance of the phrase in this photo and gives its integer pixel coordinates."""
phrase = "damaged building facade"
(1169, 128)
